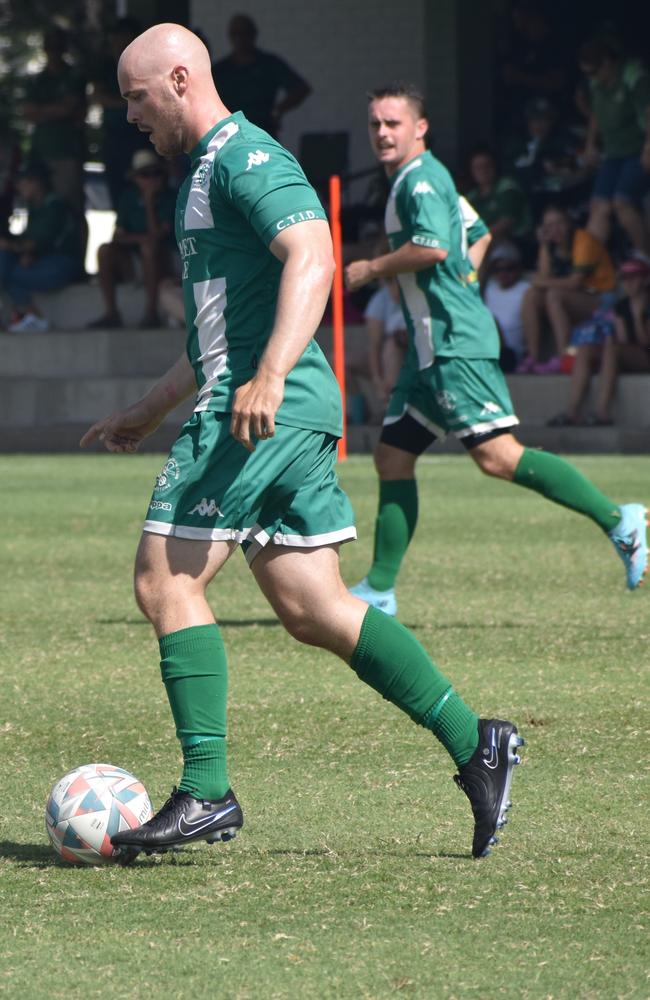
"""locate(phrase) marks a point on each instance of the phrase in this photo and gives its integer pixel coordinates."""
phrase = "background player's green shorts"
(284, 493)
(466, 397)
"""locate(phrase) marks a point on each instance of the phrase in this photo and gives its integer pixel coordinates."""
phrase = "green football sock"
(561, 482)
(391, 660)
(396, 519)
(195, 673)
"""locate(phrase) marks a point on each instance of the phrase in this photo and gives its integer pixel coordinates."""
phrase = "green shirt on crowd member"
(132, 212)
(62, 139)
(506, 200)
(445, 314)
(242, 191)
(621, 110)
(53, 227)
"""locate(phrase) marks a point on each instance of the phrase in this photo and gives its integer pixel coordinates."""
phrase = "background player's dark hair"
(595, 51)
(399, 88)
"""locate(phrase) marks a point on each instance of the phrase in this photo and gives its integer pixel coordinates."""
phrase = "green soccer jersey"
(442, 304)
(244, 189)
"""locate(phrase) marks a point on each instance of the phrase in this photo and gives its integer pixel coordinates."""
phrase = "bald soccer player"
(255, 464)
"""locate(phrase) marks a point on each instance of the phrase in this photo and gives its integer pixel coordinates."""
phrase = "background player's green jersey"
(243, 190)
(442, 304)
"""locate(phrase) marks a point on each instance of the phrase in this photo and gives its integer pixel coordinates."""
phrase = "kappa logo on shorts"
(170, 472)
(159, 505)
(446, 400)
(257, 158)
(490, 408)
(206, 508)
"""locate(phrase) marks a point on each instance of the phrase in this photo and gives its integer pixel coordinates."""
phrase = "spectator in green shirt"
(56, 106)
(619, 102)
(144, 231)
(252, 81)
(45, 257)
(499, 200)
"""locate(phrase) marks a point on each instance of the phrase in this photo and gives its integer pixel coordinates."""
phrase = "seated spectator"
(620, 345)
(573, 272)
(545, 160)
(612, 342)
(251, 80)
(499, 201)
(143, 234)
(619, 99)
(504, 293)
(46, 257)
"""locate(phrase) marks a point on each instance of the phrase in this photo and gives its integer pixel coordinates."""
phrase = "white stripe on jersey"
(211, 300)
(418, 309)
(198, 214)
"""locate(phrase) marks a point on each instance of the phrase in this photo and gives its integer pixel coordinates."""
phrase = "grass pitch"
(352, 877)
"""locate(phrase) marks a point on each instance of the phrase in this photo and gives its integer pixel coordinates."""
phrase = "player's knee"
(300, 624)
(393, 463)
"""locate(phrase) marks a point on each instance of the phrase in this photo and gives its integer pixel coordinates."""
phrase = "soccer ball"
(88, 805)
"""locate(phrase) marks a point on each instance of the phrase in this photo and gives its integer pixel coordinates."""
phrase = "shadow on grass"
(43, 856)
(321, 852)
(226, 622)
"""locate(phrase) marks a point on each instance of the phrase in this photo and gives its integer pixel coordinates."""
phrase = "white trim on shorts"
(487, 426)
(197, 534)
(259, 538)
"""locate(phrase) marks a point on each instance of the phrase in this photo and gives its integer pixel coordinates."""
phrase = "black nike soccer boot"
(182, 820)
(486, 780)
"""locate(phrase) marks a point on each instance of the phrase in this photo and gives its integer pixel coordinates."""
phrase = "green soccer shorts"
(467, 397)
(284, 493)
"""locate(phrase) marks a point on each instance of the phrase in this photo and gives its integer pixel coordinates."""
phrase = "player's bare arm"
(409, 257)
(306, 252)
(124, 430)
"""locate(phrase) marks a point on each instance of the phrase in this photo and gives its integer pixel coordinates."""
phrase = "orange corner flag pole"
(338, 331)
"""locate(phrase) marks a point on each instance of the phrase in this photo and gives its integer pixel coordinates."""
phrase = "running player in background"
(451, 380)
(255, 464)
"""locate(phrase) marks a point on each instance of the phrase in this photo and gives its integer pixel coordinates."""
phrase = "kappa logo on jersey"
(206, 508)
(201, 175)
(423, 187)
(490, 408)
(257, 158)
(446, 400)
(170, 472)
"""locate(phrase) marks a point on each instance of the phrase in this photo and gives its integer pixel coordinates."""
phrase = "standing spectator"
(499, 200)
(143, 231)
(119, 139)
(387, 338)
(504, 294)
(620, 345)
(56, 106)
(619, 99)
(532, 64)
(573, 271)
(545, 159)
(46, 257)
(250, 80)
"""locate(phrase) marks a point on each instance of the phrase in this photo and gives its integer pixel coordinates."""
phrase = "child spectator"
(143, 232)
(622, 345)
(504, 293)
(573, 271)
(499, 201)
(619, 99)
(46, 257)
(387, 338)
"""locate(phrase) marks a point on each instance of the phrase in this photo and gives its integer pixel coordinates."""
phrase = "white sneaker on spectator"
(30, 323)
